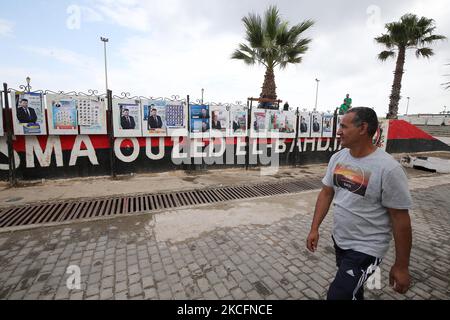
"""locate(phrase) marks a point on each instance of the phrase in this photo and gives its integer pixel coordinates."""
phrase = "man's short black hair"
(154, 109)
(367, 115)
(24, 100)
(125, 110)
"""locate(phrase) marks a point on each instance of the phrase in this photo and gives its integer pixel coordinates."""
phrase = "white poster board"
(281, 124)
(176, 118)
(28, 113)
(220, 120)
(327, 125)
(91, 115)
(127, 118)
(304, 125)
(238, 121)
(154, 118)
(338, 124)
(316, 124)
(62, 114)
(200, 124)
(259, 123)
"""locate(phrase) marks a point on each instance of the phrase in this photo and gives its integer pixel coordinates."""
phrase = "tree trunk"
(397, 85)
(269, 89)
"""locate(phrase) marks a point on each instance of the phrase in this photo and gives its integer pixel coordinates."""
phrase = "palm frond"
(432, 38)
(271, 22)
(424, 52)
(254, 31)
(383, 56)
(386, 40)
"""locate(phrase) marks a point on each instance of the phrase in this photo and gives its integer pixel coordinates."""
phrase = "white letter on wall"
(119, 153)
(77, 152)
(33, 147)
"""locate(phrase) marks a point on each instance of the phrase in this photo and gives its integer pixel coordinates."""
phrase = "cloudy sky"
(176, 47)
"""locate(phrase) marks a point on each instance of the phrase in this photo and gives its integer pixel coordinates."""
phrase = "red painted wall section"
(400, 129)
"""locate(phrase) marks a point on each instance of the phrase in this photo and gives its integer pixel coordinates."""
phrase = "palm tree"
(272, 43)
(409, 33)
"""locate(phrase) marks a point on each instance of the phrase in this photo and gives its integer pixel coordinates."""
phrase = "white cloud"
(65, 56)
(6, 28)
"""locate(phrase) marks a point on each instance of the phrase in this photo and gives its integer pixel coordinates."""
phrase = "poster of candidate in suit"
(28, 114)
(154, 118)
(316, 124)
(127, 118)
(219, 121)
(200, 124)
(304, 125)
(238, 121)
(327, 125)
(62, 114)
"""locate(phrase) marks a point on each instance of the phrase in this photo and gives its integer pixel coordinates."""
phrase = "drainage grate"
(57, 212)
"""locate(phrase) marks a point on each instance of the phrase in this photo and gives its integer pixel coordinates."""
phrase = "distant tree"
(272, 43)
(409, 33)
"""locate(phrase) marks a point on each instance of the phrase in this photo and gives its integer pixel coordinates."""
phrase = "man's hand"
(399, 279)
(312, 240)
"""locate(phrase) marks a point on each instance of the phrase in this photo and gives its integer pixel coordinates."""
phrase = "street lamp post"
(105, 40)
(407, 105)
(203, 90)
(317, 93)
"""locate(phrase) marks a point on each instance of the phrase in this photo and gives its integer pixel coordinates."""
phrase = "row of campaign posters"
(71, 115)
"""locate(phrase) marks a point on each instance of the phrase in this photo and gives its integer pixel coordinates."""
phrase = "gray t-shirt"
(364, 189)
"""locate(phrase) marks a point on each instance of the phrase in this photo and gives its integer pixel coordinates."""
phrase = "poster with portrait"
(2, 132)
(154, 118)
(259, 123)
(28, 113)
(127, 118)
(219, 121)
(238, 121)
(200, 124)
(316, 124)
(281, 124)
(176, 118)
(304, 125)
(91, 115)
(327, 125)
(338, 122)
(62, 114)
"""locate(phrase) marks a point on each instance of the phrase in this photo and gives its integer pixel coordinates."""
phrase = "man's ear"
(363, 128)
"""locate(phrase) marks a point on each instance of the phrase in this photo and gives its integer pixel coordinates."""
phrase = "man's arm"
(322, 206)
(401, 224)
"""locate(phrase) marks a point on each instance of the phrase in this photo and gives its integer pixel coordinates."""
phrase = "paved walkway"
(252, 249)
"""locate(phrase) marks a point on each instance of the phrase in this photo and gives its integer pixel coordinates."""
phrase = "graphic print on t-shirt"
(351, 178)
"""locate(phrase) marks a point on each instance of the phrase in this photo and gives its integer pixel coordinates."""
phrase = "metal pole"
(9, 140)
(317, 93)
(202, 94)
(295, 142)
(407, 106)
(110, 127)
(105, 40)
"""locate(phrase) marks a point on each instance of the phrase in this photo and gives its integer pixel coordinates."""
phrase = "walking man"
(371, 201)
